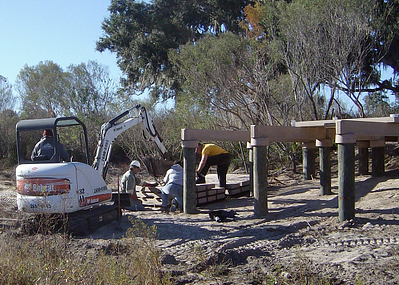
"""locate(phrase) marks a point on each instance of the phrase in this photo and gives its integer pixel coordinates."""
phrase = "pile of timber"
(151, 196)
(207, 193)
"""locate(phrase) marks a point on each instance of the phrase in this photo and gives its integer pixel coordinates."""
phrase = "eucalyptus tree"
(8, 119)
(42, 90)
(7, 100)
(91, 96)
(230, 76)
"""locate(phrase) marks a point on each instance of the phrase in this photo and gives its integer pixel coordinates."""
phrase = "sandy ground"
(300, 236)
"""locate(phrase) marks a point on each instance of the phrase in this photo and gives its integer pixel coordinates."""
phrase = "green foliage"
(377, 105)
(92, 97)
(91, 92)
(8, 119)
(42, 90)
(237, 79)
(386, 22)
(141, 35)
(7, 99)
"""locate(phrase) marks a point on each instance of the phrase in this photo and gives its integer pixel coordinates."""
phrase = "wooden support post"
(377, 158)
(325, 166)
(363, 150)
(260, 180)
(251, 169)
(346, 181)
(189, 188)
(309, 155)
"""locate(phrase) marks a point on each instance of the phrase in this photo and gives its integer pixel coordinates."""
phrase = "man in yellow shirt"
(212, 154)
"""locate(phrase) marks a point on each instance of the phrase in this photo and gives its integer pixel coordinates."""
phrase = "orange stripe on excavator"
(97, 199)
(42, 186)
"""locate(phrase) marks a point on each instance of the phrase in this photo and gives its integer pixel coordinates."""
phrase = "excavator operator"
(44, 149)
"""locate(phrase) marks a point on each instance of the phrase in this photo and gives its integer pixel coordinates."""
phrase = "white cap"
(135, 163)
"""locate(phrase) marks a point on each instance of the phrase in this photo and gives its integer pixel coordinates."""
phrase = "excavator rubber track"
(81, 223)
(84, 222)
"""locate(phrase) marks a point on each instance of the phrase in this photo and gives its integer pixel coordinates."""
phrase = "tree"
(232, 77)
(91, 96)
(386, 22)
(91, 92)
(141, 35)
(327, 45)
(377, 105)
(8, 119)
(42, 89)
(7, 99)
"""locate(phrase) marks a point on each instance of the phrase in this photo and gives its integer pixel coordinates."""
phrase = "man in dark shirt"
(44, 149)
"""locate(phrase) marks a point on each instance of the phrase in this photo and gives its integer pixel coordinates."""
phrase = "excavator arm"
(113, 128)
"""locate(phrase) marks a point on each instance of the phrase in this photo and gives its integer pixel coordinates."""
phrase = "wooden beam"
(290, 134)
(325, 170)
(394, 118)
(312, 124)
(260, 169)
(367, 128)
(189, 188)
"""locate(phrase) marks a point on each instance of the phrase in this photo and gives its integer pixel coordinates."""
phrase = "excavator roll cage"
(24, 138)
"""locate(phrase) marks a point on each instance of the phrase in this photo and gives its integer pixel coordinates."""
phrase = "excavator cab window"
(52, 140)
(27, 141)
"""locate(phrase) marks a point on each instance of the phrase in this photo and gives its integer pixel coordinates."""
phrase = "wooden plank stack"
(235, 189)
(207, 193)
(202, 193)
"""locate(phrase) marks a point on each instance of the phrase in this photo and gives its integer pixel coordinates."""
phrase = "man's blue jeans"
(172, 190)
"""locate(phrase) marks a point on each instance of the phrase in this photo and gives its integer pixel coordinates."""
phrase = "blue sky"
(63, 31)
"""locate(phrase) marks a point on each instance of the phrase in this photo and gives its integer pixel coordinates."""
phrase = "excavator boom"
(113, 128)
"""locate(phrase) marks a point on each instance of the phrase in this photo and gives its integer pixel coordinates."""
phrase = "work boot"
(200, 178)
(174, 205)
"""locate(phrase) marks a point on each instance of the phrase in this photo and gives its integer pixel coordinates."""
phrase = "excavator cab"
(63, 134)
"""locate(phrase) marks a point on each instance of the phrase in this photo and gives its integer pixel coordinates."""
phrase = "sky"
(62, 31)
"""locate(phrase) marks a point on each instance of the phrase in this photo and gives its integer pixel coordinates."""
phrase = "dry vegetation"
(56, 259)
(300, 242)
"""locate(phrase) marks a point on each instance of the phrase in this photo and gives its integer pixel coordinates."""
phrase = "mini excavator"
(74, 189)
